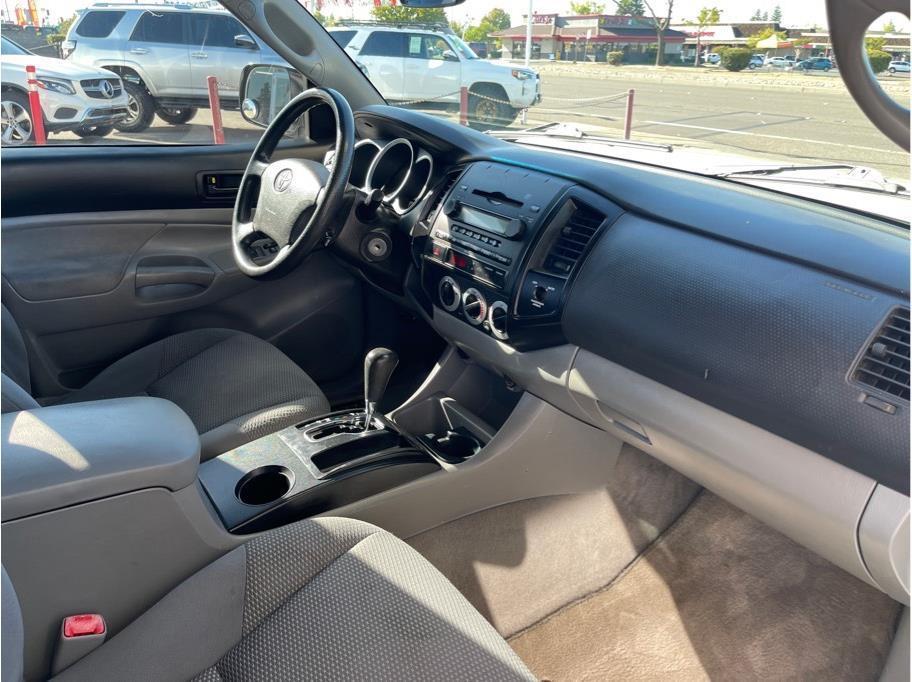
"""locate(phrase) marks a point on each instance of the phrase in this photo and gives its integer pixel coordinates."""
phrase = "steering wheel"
(291, 200)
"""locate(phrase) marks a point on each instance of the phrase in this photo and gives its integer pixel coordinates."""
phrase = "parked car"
(756, 61)
(429, 63)
(815, 64)
(165, 54)
(898, 66)
(777, 62)
(83, 99)
(712, 58)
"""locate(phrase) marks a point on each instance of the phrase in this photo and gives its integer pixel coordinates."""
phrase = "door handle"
(199, 55)
(160, 278)
(139, 50)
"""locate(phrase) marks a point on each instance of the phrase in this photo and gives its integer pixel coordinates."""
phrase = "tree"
(752, 40)
(586, 7)
(765, 16)
(661, 24)
(777, 14)
(63, 28)
(756, 16)
(495, 20)
(629, 8)
(736, 58)
(889, 27)
(879, 60)
(401, 14)
(706, 16)
(875, 44)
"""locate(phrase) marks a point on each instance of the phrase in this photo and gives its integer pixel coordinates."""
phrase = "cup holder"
(455, 446)
(264, 485)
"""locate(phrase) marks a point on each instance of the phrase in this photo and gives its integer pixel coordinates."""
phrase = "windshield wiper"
(568, 131)
(858, 177)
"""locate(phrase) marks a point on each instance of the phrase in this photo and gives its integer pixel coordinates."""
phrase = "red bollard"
(463, 106)
(628, 117)
(35, 106)
(218, 133)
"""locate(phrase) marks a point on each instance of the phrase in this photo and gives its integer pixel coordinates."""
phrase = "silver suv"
(165, 54)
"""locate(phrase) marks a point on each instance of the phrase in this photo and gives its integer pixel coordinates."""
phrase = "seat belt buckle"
(79, 636)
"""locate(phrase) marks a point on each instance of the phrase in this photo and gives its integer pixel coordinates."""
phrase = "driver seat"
(234, 386)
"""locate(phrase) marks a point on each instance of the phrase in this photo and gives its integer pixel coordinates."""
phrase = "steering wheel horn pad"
(292, 200)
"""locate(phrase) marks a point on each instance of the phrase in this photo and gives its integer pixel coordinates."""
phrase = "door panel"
(89, 287)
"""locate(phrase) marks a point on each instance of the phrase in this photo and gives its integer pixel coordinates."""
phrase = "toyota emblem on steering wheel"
(283, 180)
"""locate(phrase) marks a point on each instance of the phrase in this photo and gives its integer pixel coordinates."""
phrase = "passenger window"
(209, 30)
(98, 24)
(167, 27)
(384, 44)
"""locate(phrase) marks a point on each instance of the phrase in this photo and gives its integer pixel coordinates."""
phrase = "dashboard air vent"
(884, 366)
(445, 188)
(572, 240)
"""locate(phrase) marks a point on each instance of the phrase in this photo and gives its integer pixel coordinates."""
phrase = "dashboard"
(757, 342)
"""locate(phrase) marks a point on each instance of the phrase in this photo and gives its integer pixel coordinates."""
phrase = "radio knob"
(474, 306)
(448, 291)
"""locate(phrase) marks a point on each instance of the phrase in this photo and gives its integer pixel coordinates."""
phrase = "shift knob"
(379, 365)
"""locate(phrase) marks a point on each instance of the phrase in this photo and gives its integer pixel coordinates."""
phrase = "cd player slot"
(497, 198)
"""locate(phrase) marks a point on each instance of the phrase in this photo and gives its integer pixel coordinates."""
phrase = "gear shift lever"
(379, 365)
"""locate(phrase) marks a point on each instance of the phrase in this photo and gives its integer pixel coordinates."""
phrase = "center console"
(501, 245)
(340, 458)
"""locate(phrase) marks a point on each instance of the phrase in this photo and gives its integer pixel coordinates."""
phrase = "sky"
(795, 13)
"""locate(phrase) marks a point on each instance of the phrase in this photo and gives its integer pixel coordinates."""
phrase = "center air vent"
(445, 188)
(884, 366)
(572, 240)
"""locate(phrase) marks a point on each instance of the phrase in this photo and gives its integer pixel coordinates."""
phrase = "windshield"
(716, 91)
(8, 47)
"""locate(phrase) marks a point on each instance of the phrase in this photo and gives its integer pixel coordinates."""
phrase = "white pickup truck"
(428, 65)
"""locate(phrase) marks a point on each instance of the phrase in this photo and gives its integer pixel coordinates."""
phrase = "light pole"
(529, 34)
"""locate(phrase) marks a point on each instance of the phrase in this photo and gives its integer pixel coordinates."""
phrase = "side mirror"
(245, 41)
(266, 89)
(450, 56)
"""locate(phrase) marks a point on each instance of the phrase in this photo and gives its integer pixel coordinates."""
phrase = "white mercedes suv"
(84, 99)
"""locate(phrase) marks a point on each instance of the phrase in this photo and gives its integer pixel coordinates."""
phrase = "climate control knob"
(449, 294)
(474, 306)
(497, 319)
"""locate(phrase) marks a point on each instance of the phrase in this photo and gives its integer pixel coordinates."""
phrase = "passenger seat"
(328, 599)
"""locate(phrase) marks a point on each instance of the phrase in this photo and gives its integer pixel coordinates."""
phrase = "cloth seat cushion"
(322, 599)
(234, 386)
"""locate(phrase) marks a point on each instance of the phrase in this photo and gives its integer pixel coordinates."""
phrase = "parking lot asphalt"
(810, 125)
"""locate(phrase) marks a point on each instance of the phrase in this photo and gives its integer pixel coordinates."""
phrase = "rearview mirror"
(266, 89)
(430, 4)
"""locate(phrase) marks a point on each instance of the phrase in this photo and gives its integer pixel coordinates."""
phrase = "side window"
(98, 24)
(213, 30)
(436, 47)
(415, 46)
(167, 27)
(384, 44)
(342, 37)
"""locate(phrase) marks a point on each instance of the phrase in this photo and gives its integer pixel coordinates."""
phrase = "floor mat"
(719, 596)
(522, 561)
